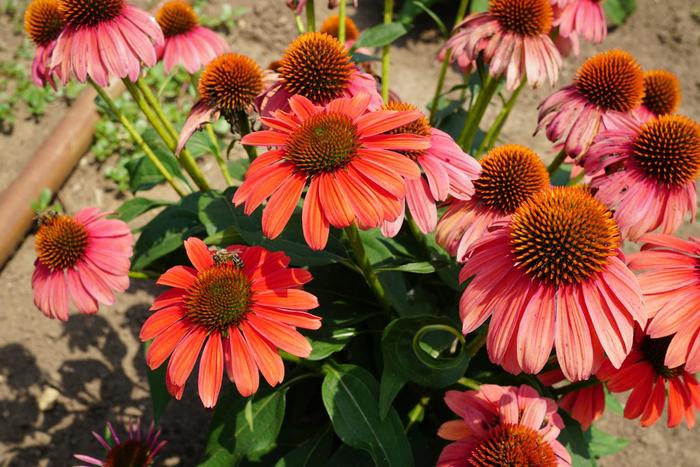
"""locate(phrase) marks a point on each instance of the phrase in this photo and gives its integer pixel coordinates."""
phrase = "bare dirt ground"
(96, 363)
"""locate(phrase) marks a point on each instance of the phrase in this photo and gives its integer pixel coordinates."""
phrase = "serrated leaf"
(350, 395)
(380, 35)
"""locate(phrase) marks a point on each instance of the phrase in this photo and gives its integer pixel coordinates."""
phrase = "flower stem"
(464, 4)
(388, 17)
(310, 16)
(476, 113)
(157, 119)
(217, 154)
(469, 383)
(592, 381)
(360, 255)
(342, 7)
(136, 137)
(497, 126)
(244, 128)
(476, 343)
(301, 29)
(556, 163)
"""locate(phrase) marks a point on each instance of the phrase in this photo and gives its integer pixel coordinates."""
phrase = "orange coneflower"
(502, 425)
(104, 39)
(585, 405)
(647, 172)
(186, 42)
(607, 86)
(240, 305)
(343, 154)
(228, 85)
(82, 258)
(132, 451)
(671, 287)
(510, 174)
(645, 373)
(512, 37)
(448, 171)
(318, 67)
(43, 22)
(552, 276)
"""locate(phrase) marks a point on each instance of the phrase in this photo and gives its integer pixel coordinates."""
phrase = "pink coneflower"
(553, 277)
(645, 373)
(240, 305)
(607, 85)
(43, 22)
(318, 67)
(104, 39)
(345, 156)
(510, 174)
(134, 451)
(512, 37)
(448, 171)
(84, 258)
(186, 42)
(585, 405)
(228, 85)
(662, 94)
(581, 17)
(671, 288)
(647, 173)
(502, 425)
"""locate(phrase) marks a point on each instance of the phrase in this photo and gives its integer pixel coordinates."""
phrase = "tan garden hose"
(49, 167)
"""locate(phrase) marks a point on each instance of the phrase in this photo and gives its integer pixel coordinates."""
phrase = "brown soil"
(96, 363)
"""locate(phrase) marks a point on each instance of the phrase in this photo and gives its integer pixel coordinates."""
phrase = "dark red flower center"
(88, 13)
(317, 67)
(60, 241)
(176, 17)
(330, 26)
(510, 175)
(668, 150)
(513, 446)
(219, 297)
(655, 353)
(420, 126)
(611, 80)
(662, 92)
(130, 453)
(43, 21)
(230, 82)
(325, 142)
(523, 17)
(563, 235)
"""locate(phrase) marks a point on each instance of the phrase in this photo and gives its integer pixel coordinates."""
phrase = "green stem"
(416, 414)
(388, 16)
(310, 16)
(497, 126)
(342, 7)
(244, 127)
(360, 255)
(142, 275)
(556, 163)
(301, 29)
(476, 113)
(150, 107)
(462, 10)
(469, 383)
(126, 123)
(217, 154)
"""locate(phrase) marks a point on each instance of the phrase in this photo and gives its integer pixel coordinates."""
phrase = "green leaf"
(612, 403)
(562, 176)
(617, 11)
(232, 436)
(133, 208)
(339, 320)
(42, 202)
(160, 397)
(345, 456)
(167, 232)
(410, 10)
(422, 267)
(350, 396)
(380, 35)
(478, 6)
(311, 453)
(440, 24)
(573, 438)
(143, 175)
(412, 353)
(604, 444)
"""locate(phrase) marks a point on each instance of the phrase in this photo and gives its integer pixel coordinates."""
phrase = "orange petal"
(181, 277)
(164, 344)
(293, 299)
(314, 223)
(280, 335)
(281, 205)
(185, 355)
(243, 368)
(293, 318)
(265, 355)
(211, 370)
(160, 321)
(198, 253)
